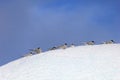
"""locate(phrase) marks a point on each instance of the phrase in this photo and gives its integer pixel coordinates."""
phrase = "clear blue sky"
(26, 24)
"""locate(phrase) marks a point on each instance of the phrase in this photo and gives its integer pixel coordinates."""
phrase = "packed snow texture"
(91, 62)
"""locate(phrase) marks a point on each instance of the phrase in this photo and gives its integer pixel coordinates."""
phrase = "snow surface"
(95, 62)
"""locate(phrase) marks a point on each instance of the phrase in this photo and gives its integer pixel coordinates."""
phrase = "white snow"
(95, 62)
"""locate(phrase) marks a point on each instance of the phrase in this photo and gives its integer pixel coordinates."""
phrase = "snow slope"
(97, 62)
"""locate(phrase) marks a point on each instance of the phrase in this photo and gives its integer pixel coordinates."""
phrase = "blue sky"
(26, 24)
